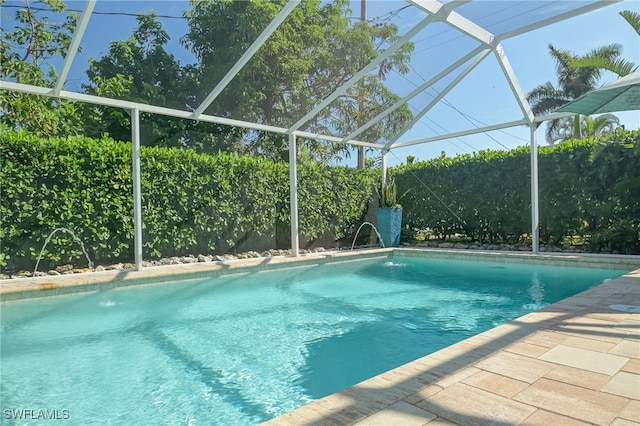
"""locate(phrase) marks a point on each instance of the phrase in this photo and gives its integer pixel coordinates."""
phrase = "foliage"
(332, 200)
(41, 33)
(600, 59)
(314, 51)
(317, 49)
(589, 188)
(632, 18)
(140, 69)
(192, 203)
(583, 126)
(387, 194)
(573, 82)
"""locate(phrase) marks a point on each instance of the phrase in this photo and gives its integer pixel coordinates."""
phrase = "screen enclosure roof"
(339, 97)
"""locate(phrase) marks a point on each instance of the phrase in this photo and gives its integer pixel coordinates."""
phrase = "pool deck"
(576, 362)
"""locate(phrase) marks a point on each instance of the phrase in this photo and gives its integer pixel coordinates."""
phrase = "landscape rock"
(64, 268)
(114, 267)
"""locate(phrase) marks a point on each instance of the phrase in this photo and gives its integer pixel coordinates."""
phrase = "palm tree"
(582, 126)
(617, 65)
(572, 82)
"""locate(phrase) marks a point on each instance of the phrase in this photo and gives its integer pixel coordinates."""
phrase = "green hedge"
(588, 188)
(191, 203)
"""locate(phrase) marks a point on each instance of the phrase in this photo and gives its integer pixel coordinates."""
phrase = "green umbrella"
(621, 95)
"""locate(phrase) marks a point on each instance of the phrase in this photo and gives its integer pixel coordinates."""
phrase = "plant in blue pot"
(389, 214)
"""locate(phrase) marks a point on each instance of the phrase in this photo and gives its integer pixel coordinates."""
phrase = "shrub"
(191, 203)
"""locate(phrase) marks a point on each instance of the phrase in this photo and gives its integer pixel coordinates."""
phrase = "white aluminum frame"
(437, 12)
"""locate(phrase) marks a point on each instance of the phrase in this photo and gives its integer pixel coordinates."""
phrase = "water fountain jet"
(68, 231)
(358, 231)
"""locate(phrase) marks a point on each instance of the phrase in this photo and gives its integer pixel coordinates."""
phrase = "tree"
(310, 55)
(582, 126)
(26, 52)
(139, 69)
(599, 58)
(572, 83)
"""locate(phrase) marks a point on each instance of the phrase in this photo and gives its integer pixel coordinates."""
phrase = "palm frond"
(633, 18)
(604, 58)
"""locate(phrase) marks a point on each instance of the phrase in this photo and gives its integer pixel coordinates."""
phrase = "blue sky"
(528, 54)
(483, 95)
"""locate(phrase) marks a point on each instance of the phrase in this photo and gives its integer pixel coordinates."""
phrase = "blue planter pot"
(389, 225)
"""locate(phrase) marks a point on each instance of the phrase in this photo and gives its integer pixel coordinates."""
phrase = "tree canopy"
(573, 81)
(25, 52)
(314, 51)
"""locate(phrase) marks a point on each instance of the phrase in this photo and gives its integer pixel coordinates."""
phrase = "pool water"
(244, 348)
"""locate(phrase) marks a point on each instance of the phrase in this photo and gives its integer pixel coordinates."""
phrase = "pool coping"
(49, 286)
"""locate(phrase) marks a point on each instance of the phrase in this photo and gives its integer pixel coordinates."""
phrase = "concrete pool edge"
(48, 286)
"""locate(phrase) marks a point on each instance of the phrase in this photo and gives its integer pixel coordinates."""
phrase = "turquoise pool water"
(244, 348)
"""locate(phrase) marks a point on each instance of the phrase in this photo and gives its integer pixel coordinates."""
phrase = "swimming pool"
(246, 347)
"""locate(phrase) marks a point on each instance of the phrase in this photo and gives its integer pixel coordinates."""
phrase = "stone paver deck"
(576, 362)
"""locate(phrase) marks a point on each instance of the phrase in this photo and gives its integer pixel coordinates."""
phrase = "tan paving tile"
(609, 314)
(390, 389)
(628, 348)
(632, 366)
(400, 414)
(527, 349)
(456, 377)
(547, 339)
(546, 418)
(593, 328)
(336, 401)
(591, 344)
(495, 383)
(441, 422)
(289, 419)
(573, 401)
(578, 377)
(467, 405)
(624, 422)
(317, 414)
(630, 325)
(423, 393)
(367, 401)
(624, 384)
(631, 411)
(585, 359)
(516, 366)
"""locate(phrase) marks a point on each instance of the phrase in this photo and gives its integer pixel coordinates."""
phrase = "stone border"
(47, 286)
(59, 285)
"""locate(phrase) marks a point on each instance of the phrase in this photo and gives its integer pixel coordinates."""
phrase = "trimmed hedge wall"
(191, 203)
(588, 188)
